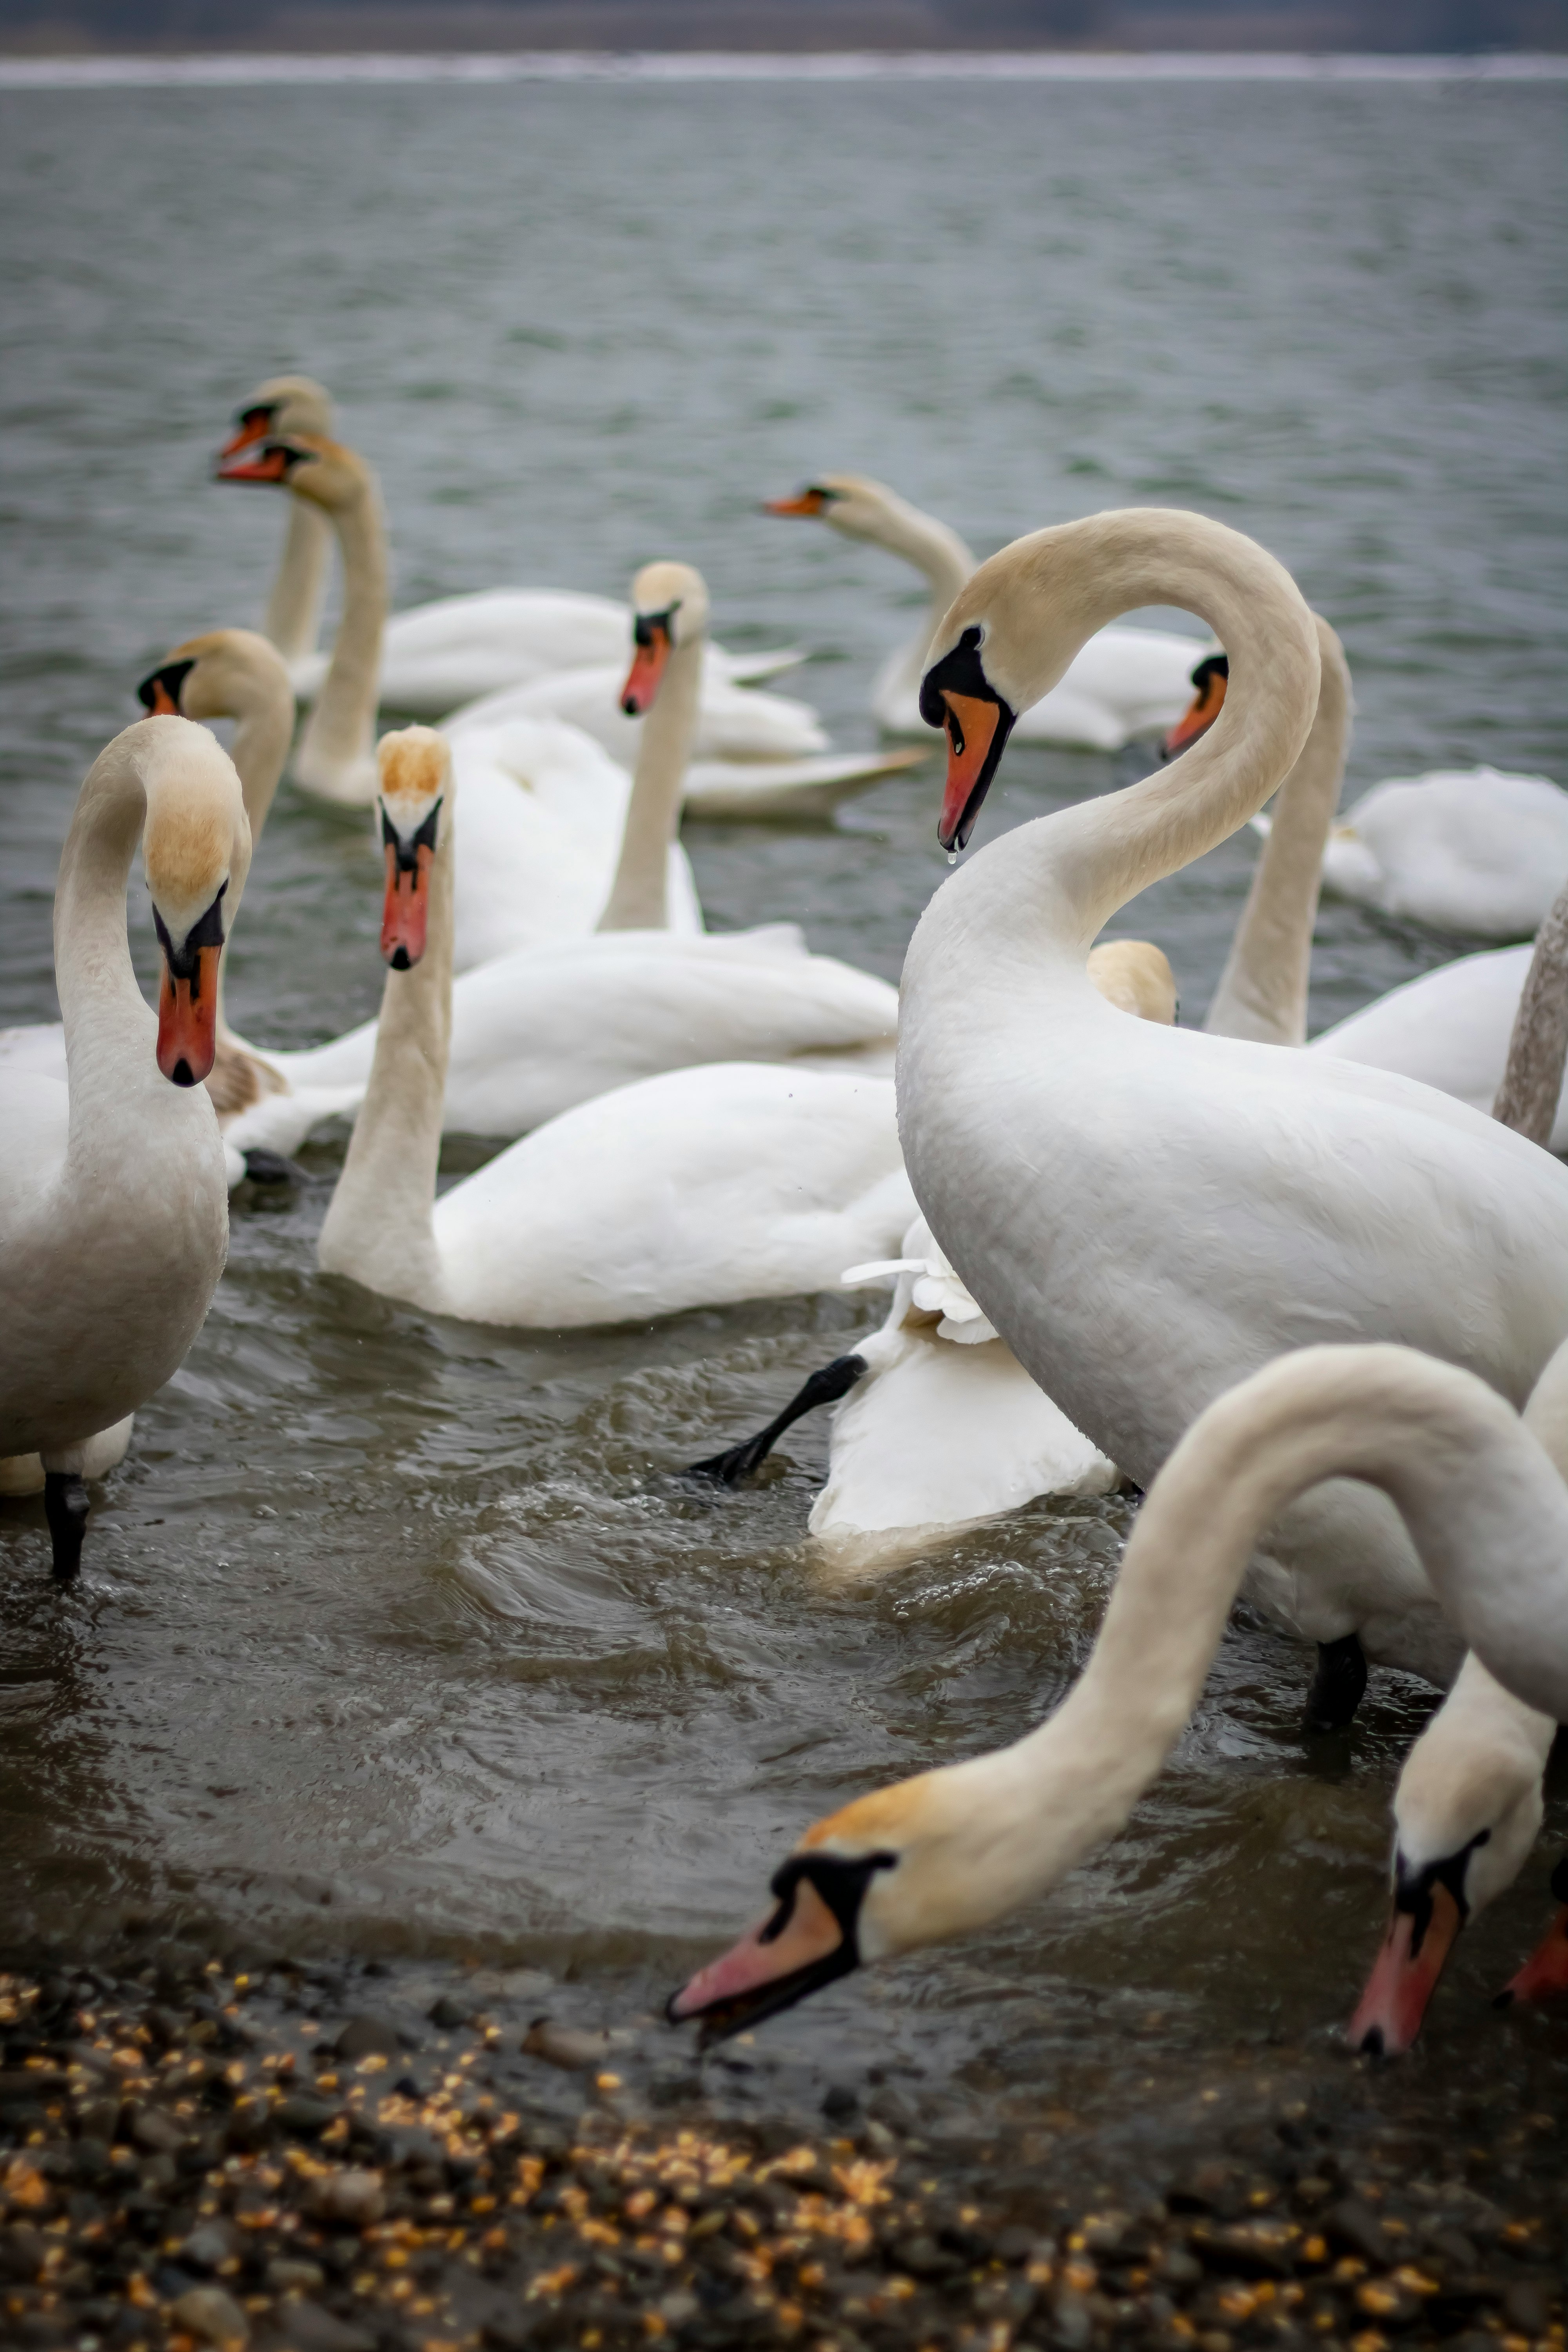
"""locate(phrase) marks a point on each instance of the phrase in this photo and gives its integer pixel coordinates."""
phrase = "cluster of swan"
(1119, 1249)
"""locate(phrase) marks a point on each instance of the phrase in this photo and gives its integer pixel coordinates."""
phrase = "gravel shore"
(278, 2155)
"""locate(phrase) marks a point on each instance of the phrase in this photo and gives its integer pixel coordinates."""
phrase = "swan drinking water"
(113, 1194)
(954, 1849)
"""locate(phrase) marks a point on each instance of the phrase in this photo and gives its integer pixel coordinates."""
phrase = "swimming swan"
(954, 1849)
(113, 1194)
(1147, 1214)
(1124, 682)
(455, 648)
(732, 1181)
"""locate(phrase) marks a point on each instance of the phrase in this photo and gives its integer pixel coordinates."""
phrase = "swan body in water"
(113, 1194)
(698, 1187)
(1146, 1215)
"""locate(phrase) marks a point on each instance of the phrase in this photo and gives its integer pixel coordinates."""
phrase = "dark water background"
(402, 1637)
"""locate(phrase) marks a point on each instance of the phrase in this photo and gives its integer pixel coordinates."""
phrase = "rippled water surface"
(405, 1636)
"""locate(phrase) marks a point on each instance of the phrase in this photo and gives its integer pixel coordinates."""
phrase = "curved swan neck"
(1473, 1487)
(638, 894)
(93, 973)
(1532, 1079)
(1262, 991)
(931, 546)
(294, 607)
(378, 1226)
(1061, 877)
(338, 742)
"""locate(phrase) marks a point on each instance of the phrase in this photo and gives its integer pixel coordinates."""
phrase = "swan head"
(220, 675)
(1210, 679)
(322, 471)
(670, 608)
(852, 503)
(283, 404)
(1466, 1815)
(195, 850)
(910, 1864)
(414, 770)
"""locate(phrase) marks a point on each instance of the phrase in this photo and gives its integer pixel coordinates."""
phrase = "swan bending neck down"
(1107, 1190)
(283, 406)
(335, 759)
(955, 1849)
(113, 1197)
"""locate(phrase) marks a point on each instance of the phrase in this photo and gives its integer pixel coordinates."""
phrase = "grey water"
(406, 1638)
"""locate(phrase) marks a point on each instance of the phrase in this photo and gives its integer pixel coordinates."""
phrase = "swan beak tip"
(782, 1959)
(977, 730)
(187, 1020)
(650, 656)
(406, 910)
(1545, 1972)
(1404, 1978)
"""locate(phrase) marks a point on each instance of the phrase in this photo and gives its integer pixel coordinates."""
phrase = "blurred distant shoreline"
(1114, 29)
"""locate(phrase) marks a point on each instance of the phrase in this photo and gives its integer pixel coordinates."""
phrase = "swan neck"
(1532, 1078)
(1472, 1486)
(378, 1227)
(294, 607)
(637, 896)
(1262, 991)
(339, 735)
(931, 547)
(1053, 593)
(93, 971)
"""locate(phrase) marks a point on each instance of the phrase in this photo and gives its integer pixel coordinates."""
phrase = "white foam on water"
(239, 69)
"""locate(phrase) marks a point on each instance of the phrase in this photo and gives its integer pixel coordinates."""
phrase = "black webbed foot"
(66, 1509)
(825, 1387)
(263, 1167)
(1339, 1685)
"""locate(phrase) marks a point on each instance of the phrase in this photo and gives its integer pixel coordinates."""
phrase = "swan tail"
(823, 1387)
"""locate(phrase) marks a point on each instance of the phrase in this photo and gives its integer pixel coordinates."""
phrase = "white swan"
(113, 1196)
(734, 1180)
(954, 1849)
(944, 1428)
(455, 648)
(1146, 1215)
(264, 1112)
(548, 1026)
(1123, 682)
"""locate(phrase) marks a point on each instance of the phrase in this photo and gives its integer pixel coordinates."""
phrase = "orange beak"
(254, 426)
(650, 658)
(1205, 707)
(1405, 1976)
(162, 704)
(187, 1021)
(972, 727)
(270, 466)
(406, 910)
(1546, 1971)
(806, 1936)
(805, 502)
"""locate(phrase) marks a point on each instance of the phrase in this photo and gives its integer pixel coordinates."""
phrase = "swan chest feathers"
(109, 1258)
(1148, 1215)
(704, 1186)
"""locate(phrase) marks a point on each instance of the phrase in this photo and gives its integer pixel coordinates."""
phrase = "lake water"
(404, 1637)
